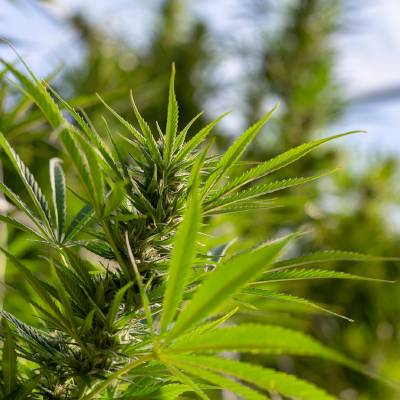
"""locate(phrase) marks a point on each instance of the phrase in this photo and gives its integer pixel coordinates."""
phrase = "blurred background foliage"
(293, 63)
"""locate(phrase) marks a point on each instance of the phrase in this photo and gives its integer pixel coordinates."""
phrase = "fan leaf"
(29, 182)
(182, 257)
(234, 152)
(264, 378)
(224, 281)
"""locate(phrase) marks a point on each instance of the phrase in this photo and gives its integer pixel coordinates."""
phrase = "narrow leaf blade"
(172, 119)
(183, 255)
(57, 181)
(224, 281)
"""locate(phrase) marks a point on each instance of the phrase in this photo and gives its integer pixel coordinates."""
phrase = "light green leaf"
(180, 140)
(197, 139)
(90, 133)
(38, 93)
(306, 273)
(279, 296)
(254, 338)
(95, 173)
(144, 126)
(29, 182)
(172, 119)
(264, 378)
(180, 266)
(234, 152)
(330, 255)
(216, 379)
(186, 380)
(125, 123)
(20, 204)
(243, 206)
(208, 326)
(274, 164)
(81, 219)
(77, 158)
(57, 181)
(171, 391)
(224, 281)
(19, 225)
(259, 190)
(34, 336)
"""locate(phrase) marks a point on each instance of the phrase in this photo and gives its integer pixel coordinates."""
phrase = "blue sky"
(368, 50)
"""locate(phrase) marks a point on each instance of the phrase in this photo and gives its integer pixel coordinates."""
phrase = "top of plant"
(149, 325)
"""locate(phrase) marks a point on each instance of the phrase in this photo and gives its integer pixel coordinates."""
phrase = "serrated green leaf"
(77, 158)
(172, 119)
(29, 182)
(180, 140)
(20, 225)
(95, 173)
(234, 152)
(180, 266)
(125, 123)
(57, 181)
(171, 391)
(117, 153)
(38, 93)
(20, 204)
(99, 247)
(330, 255)
(255, 338)
(208, 326)
(224, 281)
(142, 289)
(274, 164)
(259, 190)
(81, 219)
(90, 133)
(243, 206)
(216, 379)
(306, 273)
(264, 378)
(34, 336)
(63, 285)
(197, 139)
(144, 126)
(279, 296)
(73, 285)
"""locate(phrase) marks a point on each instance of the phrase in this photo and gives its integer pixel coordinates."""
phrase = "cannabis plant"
(145, 311)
